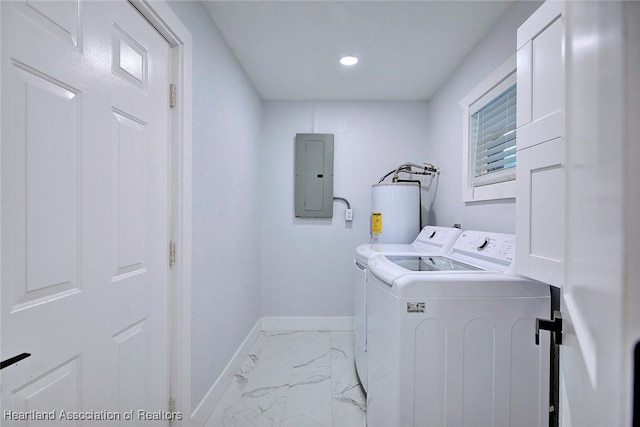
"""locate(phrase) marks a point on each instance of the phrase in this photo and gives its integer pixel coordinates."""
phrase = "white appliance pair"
(451, 339)
(431, 240)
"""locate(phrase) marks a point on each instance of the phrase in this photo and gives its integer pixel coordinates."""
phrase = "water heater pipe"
(411, 168)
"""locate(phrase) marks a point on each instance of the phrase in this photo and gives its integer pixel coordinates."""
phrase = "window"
(492, 134)
(489, 136)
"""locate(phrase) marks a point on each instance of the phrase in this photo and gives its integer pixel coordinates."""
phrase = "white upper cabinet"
(540, 176)
(540, 210)
(540, 76)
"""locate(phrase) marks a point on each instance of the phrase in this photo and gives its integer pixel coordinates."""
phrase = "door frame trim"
(162, 17)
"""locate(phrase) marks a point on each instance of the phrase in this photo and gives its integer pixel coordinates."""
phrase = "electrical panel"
(314, 175)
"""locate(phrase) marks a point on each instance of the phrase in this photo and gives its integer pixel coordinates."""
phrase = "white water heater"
(395, 212)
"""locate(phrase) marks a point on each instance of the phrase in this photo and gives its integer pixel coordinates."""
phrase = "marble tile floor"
(295, 379)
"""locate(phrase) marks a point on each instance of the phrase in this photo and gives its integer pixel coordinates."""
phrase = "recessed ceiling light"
(348, 60)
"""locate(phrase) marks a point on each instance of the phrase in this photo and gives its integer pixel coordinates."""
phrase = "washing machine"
(431, 240)
(451, 339)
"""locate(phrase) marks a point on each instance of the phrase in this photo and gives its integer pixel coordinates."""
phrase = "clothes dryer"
(451, 339)
(431, 240)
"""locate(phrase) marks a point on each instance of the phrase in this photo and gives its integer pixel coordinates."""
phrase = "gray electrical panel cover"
(314, 175)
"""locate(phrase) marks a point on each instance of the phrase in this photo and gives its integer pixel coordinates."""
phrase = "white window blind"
(492, 135)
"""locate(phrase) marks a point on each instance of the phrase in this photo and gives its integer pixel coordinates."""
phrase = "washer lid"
(430, 263)
(444, 277)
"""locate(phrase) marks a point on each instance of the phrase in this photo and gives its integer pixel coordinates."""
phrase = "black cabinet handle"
(13, 360)
(554, 326)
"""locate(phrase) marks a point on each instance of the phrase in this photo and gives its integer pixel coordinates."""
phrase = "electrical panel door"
(314, 175)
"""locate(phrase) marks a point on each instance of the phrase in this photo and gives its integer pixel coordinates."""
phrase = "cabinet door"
(540, 212)
(540, 76)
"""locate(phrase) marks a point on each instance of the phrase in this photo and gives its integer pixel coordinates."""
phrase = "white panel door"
(85, 125)
(600, 296)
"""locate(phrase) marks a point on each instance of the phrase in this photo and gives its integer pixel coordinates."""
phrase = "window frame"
(488, 88)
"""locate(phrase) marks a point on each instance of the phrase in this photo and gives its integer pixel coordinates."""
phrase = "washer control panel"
(491, 246)
(438, 236)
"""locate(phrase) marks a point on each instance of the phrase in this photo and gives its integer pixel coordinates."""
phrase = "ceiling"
(407, 49)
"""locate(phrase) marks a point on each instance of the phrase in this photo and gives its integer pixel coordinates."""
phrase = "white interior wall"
(306, 264)
(444, 130)
(226, 125)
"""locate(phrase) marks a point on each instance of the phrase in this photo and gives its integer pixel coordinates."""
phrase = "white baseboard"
(208, 404)
(327, 323)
